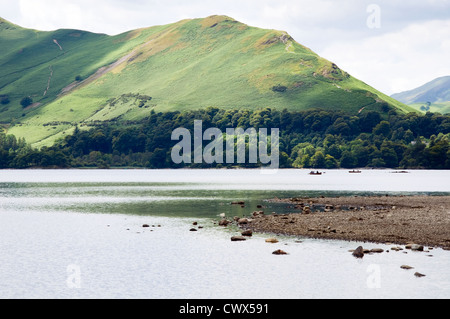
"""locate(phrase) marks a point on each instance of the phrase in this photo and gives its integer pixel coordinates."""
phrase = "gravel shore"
(423, 220)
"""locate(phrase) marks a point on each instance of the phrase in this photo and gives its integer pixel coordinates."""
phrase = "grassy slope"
(189, 65)
(443, 108)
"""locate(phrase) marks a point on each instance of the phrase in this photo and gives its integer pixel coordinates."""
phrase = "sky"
(392, 45)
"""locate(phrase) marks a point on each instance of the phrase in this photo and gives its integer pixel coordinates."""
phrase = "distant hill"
(436, 91)
(73, 77)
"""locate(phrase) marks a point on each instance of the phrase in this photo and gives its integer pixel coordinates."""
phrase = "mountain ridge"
(435, 91)
(77, 77)
(433, 96)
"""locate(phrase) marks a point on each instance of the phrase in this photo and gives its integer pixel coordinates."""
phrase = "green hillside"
(191, 64)
(443, 107)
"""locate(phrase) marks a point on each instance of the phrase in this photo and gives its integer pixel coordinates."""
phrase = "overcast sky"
(393, 45)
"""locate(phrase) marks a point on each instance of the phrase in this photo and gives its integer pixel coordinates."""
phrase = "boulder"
(272, 240)
(406, 267)
(417, 247)
(247, 233)
(359, 252)
(238, 238)
(243, 221)
(419, 275)
(224, 222)
(377, 250)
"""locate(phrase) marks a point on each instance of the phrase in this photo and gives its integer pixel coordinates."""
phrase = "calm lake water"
(79, 234)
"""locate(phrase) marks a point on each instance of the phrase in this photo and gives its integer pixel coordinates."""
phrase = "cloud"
(397, 61)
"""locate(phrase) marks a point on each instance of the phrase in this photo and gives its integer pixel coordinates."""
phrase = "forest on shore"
(317, 139)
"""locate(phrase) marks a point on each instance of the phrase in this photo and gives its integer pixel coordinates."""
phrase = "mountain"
(433, 96)
(436, 91)
(81, 78)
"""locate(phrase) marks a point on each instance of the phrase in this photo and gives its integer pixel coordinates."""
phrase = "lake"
(79, 234)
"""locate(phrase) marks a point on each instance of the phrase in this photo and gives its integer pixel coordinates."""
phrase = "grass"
(191, 64)
(443, 107)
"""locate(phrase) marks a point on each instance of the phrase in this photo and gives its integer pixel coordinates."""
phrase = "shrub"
(26, 101)
(4, 100)
(279, 88)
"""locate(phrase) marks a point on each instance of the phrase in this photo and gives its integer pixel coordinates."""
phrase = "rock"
(417, 247)
(257, 214)
(224, 222)
(279, 252)
(406, 267)
(247, 233)
(238, 238)
(193, 229)
(272, 240)
(195, 223)
(359, 252)
(238, 203)
(377, 250)
(145, 226)
(419, 275)
(306, 210)
(243, 221)
(396, 248)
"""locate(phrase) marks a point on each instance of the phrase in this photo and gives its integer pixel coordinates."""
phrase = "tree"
(26, 101)
(348, 160)
(331, 162)
(318, 160)
(383, 128)
(377, 162)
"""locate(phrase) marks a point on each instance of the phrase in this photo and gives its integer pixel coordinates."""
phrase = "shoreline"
(399, 220)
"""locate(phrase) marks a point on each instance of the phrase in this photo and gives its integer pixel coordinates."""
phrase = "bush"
(279, 88)
(4, 100)
(26, 101)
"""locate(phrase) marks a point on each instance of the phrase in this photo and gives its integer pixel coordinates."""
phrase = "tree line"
(308, 139)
